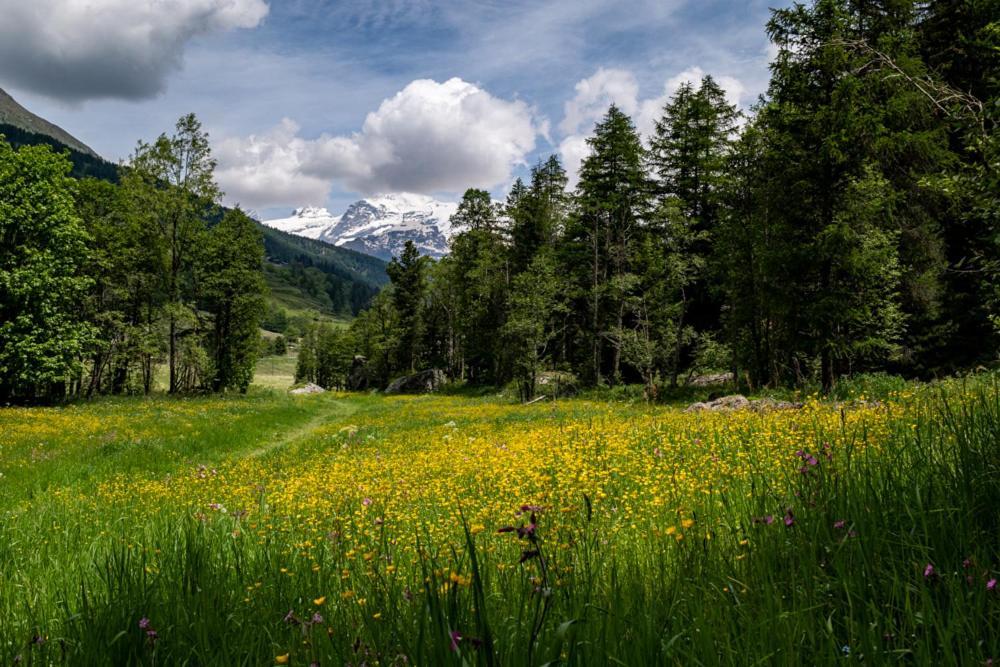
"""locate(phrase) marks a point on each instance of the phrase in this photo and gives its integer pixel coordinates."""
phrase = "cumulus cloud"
(429, 137)
(77, 50)
(616, 86)
(261, 170)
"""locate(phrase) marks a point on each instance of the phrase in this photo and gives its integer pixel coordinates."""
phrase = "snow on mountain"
(378, 226)
(309, 221)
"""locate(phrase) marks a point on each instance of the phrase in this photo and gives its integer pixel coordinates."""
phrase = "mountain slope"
(378, 226)
(12, 113)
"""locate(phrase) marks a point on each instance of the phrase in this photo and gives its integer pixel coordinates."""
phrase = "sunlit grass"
(345, 529)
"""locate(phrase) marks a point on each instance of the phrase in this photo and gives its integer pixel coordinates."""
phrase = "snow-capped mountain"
(378, 226)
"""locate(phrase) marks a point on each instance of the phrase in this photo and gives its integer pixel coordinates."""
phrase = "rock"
(738, 402)
(769, 404)
(557, 383)
(308, 389)
(724, 404)
(711, 379)
(424, 382)
(358, 378)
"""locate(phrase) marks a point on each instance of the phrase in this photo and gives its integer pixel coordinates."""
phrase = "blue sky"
(314, 101)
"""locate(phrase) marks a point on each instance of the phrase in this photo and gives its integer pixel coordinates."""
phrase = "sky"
(320, 102)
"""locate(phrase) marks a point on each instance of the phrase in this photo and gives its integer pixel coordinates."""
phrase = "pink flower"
(839, 525)
(366, 502)
(991, 585)
(929, 571)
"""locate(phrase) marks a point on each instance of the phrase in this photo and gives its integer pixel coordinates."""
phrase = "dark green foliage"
(409, 284)
(233, 293)
(325, 356)
(103, 282)
(347, 282)
(84, 165)
(848, 226)
(43, 249)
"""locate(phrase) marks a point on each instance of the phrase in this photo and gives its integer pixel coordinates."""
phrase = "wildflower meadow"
(355, 529)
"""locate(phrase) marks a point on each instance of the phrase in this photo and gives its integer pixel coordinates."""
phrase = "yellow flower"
(671, 530)
(281, 659)
(687, 523)
(320, 601)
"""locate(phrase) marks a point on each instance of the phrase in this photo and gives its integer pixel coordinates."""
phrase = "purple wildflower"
(769, 519)
(929, 571)
(991, 585)
(789, 518)
(366, 502)
(143, 623)
(455, 638)
(839, 525)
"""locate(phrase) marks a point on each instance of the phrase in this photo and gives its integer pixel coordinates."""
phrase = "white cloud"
(258, 171)
(606, 86)
(430, 137)
(595, 94)
(77, 50)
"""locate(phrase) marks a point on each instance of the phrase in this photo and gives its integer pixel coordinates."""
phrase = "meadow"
(351, 529)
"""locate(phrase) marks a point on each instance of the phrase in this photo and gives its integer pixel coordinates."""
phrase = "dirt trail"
(328, 412)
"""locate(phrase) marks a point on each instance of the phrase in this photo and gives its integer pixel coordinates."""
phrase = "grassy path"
(330, 411)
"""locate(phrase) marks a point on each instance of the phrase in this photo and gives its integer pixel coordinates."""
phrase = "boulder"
(308, 389)
(424, 382)
(738, 402)
(556, 383)
(769, 404)
(724, 404)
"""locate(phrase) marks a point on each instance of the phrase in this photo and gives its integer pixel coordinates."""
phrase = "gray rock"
(308, 389)
(424, 382)
(738, 402)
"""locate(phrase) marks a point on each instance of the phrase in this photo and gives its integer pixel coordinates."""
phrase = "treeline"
(848, 223)
(101, 283)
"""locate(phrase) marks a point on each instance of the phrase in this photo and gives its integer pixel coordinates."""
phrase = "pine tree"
(612, 200)
(408, 275)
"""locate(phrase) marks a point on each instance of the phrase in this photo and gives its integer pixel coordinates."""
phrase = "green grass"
(78, 570)
(275, 372)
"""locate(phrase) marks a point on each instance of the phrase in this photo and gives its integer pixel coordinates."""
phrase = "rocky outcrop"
(738, 402)
(424, 382)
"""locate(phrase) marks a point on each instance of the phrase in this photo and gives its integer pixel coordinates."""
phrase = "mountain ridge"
(379, 225)
(12, 113)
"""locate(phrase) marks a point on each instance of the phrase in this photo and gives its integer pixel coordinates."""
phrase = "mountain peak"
(311, 212)
(379, 225)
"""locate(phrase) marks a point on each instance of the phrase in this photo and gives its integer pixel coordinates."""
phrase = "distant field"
(276, 372)
(354, 529)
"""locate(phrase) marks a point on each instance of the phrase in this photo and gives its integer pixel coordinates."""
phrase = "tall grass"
(867, 554)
